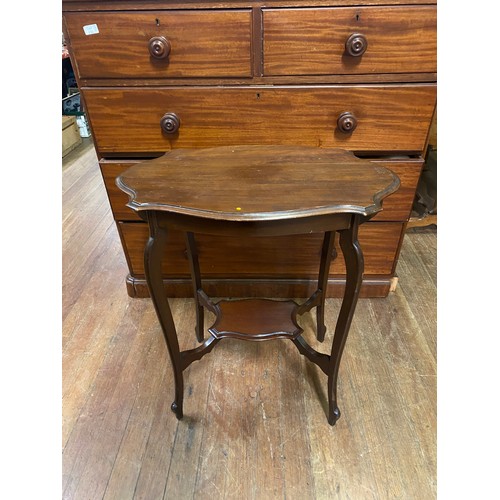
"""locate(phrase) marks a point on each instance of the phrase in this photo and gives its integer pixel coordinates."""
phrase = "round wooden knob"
(356, 45)
(159, 47)
(170, 123)
(347, 122)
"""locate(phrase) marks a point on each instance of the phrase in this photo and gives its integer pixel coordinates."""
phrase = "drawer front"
(285, 256)
(396, 207)
(198, 43)
(110, 170)
(316, 41)
(389, 118)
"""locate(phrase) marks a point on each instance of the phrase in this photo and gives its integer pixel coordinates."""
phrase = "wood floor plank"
(155, 382)
(181, 477)
(157, 458)
(338, 466)
(92, 446)
(418, 281)
(88, 335)
(298, 478)
(73, 176)
(268, 466)
(229, 416)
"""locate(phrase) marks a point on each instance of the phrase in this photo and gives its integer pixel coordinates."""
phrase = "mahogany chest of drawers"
(157, 75)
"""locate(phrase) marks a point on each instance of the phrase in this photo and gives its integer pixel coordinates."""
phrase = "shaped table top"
(258, 183)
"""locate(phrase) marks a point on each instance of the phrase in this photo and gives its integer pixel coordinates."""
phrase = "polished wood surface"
(399, 40)
(258, 183)
(390, 117)
(397, 206)
(256, 319)
(341, 79)
(280, 256)
(83, 5)
(338, 193)
(120, 442)
(206, 43)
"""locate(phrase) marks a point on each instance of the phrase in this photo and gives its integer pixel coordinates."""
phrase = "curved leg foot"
(320, 329)
(334, 414)
(177, 409)
(200, 337)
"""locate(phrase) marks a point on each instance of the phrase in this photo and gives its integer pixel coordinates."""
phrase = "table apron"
(280, 227)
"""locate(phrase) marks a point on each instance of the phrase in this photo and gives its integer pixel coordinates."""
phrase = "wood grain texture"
(253, 428)
(282, 256)
(214, 78)
(390, 118)
(110, 170)
(255, 319)
(82, 5)
(203, 44)
(372, 287)
(351, 78)
(396, 207)
(258, 183)
(311, 41)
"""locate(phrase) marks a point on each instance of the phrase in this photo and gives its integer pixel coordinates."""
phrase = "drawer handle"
(170, 123)
(159, 47)
(347, 122)
(356, 45)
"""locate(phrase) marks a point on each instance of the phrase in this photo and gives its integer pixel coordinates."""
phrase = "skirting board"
(286, 288)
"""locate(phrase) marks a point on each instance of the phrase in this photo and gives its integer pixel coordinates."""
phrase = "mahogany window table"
(257, 191)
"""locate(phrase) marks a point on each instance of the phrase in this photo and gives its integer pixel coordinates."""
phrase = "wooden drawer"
(110, 170)
(312, 41)
(396, 207)
(203, 43)
(284, 257)
(390, 117)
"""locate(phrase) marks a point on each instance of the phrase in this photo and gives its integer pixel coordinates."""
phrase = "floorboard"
(255, 413)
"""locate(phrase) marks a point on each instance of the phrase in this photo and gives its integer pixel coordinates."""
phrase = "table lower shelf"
(256, 319)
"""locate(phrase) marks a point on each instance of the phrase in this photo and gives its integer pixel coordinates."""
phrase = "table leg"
(152, 266)
(354, 273)
(194, 267)
(327, 255)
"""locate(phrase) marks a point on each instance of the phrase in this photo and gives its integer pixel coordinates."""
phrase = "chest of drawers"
(359, 75)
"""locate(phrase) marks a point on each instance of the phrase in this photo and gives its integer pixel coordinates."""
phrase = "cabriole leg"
(152, 266)
(354, 274)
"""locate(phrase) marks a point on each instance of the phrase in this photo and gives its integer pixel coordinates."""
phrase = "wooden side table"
(257, 191)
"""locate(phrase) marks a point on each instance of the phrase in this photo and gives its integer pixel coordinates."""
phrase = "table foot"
(200, 336)
(320, 332)
(334, 414)
(324, 362)
(177, 409)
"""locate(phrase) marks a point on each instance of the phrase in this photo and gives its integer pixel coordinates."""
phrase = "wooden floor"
(255, 425)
